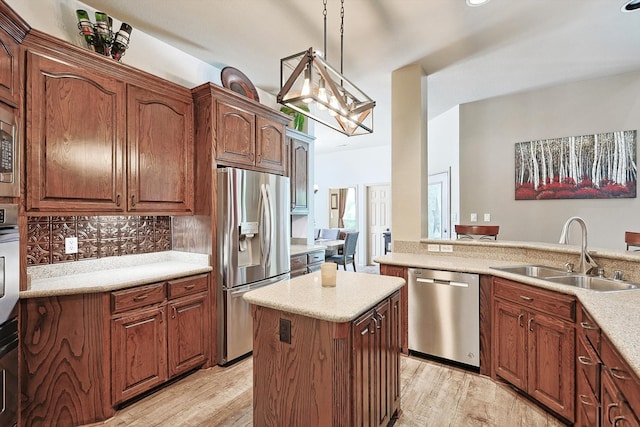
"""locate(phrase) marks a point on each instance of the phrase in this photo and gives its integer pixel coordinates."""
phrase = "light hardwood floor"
(433, 395)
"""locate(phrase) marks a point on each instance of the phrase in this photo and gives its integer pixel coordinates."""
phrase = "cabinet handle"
(375, 325)
(531, 324)
(585, 325)
(161, 314)
(381, 317)
(526, 298)
(175, 312)
(141, 297)
(520, 317)
(133, 200)
(619, 374)
(584, 399)
(585, 360)
(189, 287)
(118, 200)
(609, 408)
(259, 158)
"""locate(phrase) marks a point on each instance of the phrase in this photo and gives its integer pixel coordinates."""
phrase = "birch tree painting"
(600, 166)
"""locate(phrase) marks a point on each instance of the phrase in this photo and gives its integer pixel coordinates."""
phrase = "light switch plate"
(487, 217)
(474, 217)
(433, 248)
(71, 245)
(446, 248)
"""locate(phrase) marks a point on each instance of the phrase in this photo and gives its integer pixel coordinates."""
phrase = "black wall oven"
(9, 290)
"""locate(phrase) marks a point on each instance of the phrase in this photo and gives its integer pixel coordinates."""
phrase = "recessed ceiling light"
(630, 6)
(473, 3)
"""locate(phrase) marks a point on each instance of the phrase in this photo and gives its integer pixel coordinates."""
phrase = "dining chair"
(348, 255)
(486, 232)
(632, 239)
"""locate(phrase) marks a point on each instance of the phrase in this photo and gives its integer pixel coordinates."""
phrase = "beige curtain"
(342, 204)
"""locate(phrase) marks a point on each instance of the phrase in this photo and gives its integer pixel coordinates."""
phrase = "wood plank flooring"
(433, 395)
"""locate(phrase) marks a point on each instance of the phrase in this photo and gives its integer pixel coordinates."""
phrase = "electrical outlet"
(433, 248)
(487, 217)
(71, 245)
(474, 217)
(285, 330)
(446, 248)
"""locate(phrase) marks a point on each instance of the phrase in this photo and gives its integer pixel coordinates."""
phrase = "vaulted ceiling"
(468, 53)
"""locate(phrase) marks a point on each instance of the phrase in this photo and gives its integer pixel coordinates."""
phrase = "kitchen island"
(326, 355)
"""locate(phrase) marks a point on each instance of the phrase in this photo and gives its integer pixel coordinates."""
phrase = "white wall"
(350, 168)
(490, 128)
(444, 154)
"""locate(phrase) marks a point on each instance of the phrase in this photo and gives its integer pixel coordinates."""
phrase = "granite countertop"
(107, 274)
(305, 249)
(354, 294)
(617, 313)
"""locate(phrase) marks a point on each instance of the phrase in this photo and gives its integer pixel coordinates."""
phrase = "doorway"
(378, 219)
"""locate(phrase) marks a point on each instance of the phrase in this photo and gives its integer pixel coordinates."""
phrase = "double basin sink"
(562, 277)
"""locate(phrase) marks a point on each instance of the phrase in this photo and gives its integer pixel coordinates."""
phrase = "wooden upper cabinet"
(271, 151)
(241, 132)
(103, 137)
(160, 152)
(9, 69)
(299, 164)
(75, 138)
(235, 129)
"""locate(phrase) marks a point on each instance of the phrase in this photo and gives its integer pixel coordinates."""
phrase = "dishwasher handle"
(442, 282)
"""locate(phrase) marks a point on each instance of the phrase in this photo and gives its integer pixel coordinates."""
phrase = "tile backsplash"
(98, 237)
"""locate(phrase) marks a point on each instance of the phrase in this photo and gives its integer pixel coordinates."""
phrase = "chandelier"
(310, 86)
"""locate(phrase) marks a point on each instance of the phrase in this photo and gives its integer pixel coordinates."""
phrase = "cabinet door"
(364, 366)
(384, 363)
(235, 133)
(160, 147)
(397, 271)
(552, 363)
(75, 138)
(299, 176)
(9, 69)
(138, 352)
(188, 333)
(394, 363)
(510, 343)
(271, 151)
(587, 405)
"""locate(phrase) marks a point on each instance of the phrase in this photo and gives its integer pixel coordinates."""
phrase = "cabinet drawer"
(298, 262)
(621, 373)
(315, 257)
(553, 303)
(588, 365)
(140, 296)
(589, 328)
(312, 268)
(187, 286)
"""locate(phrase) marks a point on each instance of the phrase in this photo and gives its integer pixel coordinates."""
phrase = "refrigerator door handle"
(266, 225)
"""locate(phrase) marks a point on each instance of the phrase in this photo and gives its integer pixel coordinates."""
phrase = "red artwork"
(601, 166)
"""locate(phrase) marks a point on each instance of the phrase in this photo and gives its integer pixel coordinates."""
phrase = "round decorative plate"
(234, 79)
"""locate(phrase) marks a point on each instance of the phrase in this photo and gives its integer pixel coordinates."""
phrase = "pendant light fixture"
(310, 86)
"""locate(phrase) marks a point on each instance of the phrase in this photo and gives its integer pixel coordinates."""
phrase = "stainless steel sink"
(562, 277)
(538, 271)
(594, 283)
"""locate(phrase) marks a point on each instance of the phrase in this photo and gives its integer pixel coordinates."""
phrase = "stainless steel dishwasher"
(444, 315)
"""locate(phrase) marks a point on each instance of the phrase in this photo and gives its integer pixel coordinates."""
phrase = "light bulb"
(306, 86)
(322, 96)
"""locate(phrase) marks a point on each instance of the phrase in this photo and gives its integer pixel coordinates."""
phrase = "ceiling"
(468, 53)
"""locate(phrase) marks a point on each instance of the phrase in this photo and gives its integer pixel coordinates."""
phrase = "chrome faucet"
(587, 264)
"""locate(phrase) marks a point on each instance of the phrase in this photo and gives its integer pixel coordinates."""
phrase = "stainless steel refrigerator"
(253, 249)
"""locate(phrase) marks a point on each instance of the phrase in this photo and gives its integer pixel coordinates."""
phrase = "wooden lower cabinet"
(620, 390)
(331, 374)
(399, 271)
(139, 352)
(82, 355)
(306, 263)
(532, 349)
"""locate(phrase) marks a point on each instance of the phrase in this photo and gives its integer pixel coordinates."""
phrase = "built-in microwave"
(9, 153)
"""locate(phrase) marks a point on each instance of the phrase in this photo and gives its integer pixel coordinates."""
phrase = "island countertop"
(353, 295)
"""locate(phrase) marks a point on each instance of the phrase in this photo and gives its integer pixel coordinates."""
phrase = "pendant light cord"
(341, 35)
(324, 12)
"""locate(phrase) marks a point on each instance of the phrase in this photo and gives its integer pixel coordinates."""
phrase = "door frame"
(368, 259)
